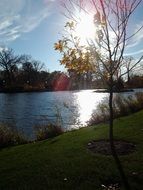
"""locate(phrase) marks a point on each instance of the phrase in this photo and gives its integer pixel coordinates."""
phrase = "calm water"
(26, 110)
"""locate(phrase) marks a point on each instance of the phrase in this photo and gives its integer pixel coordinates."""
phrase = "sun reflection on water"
(88, 101)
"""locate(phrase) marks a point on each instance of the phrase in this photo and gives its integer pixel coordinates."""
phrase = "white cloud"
(11, 7)
(21, 16)
(3, 48)
(138, 37)
(134, 53)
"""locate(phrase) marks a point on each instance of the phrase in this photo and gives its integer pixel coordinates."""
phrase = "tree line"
(23, 73)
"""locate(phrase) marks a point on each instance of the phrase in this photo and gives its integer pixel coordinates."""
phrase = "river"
(72, 108)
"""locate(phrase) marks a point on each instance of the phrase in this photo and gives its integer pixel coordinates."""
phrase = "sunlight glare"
(88, 101)
(85, 28)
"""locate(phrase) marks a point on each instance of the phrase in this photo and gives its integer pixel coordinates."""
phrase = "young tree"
(106, 51)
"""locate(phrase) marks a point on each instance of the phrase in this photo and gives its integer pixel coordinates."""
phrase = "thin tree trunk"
(113, 149)
(8, 78)
(128, 80)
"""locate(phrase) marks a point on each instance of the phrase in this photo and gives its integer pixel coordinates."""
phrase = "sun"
(85, 28)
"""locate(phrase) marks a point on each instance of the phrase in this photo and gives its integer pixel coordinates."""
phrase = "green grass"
(44, 165)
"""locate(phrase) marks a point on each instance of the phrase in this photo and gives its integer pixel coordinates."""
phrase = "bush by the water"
(48, 131)
(10, 136)
(122, 106)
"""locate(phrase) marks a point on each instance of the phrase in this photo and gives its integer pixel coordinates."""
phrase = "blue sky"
(33, 26)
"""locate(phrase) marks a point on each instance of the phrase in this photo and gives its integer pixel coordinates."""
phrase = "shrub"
(10, 136)
(100, 115)
(132, 104)
(139, 98)
(48, 131)
(121, 106)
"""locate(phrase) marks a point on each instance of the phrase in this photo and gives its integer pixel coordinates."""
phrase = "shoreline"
(114, 91)
(48, 90)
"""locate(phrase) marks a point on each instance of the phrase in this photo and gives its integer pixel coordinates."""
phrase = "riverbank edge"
(49, 90)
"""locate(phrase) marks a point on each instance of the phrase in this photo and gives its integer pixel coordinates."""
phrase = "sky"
(33, 26)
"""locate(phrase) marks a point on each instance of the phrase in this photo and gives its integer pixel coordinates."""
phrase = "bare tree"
(9, 63)
(112, 21)
(127, 64)
(31, 69)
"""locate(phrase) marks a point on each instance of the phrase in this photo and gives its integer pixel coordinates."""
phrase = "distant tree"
(128, 67)
(37, 65)
(45, 79)
(136, 81)
(80, 80)
(54, 75)
(31, 70)
(9, 64)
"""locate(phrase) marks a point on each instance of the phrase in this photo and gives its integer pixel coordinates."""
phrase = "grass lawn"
(65, 162)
